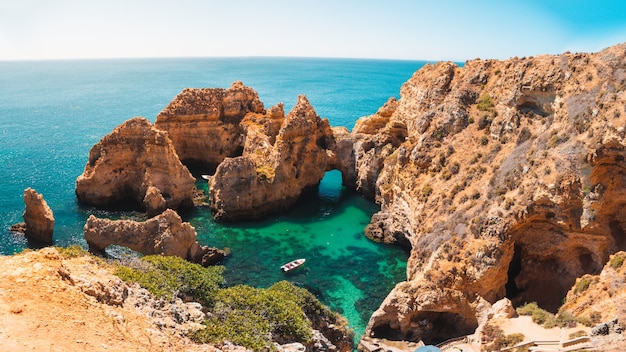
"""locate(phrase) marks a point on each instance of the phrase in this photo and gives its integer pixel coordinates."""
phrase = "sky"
(456, 30)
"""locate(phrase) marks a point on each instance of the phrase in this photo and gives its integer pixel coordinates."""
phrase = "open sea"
(53, 112)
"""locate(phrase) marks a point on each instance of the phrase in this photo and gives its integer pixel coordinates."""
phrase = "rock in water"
(279, 162)
(136, 165)
(38, 218)
(204, 123)
(165, 234)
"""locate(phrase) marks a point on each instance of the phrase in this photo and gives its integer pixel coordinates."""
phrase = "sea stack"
(135, 166)
(38, 218)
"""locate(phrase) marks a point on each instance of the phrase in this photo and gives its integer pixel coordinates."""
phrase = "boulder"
(165, 234)
(135, 166)
(38, 218)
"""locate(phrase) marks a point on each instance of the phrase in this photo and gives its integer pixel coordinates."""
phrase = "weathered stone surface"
(277, 165)
(165, 234)
(38, 218)
(506, 178)
(204, 124)
(135, 165)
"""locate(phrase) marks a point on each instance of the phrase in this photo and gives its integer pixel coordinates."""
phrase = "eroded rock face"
(165, 234)
(280, 160)
(506, 178)
(38, 218)
(204, 124)
(136, 165)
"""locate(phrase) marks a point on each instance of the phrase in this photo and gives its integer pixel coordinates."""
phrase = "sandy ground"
(42, 311)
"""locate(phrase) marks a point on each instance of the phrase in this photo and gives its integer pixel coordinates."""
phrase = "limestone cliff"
(204, 124)
(282, 157)
(136, 165)
(38, 218)
(165, 234)
(505, 178)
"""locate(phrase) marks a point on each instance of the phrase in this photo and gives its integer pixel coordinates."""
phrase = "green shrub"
(250, 316)
(617, 261)
(72, 251)
(582, 284)
(538, 315)
(485, 103)
(169, 276)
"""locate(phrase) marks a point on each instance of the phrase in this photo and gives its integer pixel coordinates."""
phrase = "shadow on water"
(344, 269)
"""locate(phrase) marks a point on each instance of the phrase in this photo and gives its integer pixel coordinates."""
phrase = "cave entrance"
(437, 327)
(532, 278)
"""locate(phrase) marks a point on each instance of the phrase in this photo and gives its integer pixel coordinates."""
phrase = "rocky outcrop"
(506, 179)
(600, 297)
(38, 218)
(165, 234)
(135, 166)
(204, 124)
(282, 157)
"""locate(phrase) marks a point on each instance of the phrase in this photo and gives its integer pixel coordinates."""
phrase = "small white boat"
(294, 264)
(206, 177)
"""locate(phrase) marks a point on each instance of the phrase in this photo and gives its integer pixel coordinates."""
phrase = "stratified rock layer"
(204, 124)
(165, 234)
(38, 218)
(282, 158)
(506, 178)
(135, 165)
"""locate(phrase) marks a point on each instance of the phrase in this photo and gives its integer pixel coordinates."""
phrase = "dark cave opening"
(430, 327)
(533, 279)
(515, 268)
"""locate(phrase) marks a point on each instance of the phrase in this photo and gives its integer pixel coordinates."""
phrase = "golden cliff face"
(135, 165)
(204, 124)
(282, 157)
(506, 178)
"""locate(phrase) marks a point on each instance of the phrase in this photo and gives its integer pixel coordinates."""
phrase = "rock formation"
(279, 162)
(600, 297)
(136, 165)
(165, 234)
(204, 123)
(38, 218)
(505, 178)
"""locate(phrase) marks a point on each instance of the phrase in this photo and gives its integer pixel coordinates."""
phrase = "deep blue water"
(53, 112)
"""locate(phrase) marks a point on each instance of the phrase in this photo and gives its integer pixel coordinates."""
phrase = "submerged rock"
(38, 218)
(165, 234)
(135, 166)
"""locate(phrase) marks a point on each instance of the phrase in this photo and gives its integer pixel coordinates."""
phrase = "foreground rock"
(282, 158)
(204, 124)
(135, 166)
(165, 234)
(49, 302)
(506, 179)
(38, 218)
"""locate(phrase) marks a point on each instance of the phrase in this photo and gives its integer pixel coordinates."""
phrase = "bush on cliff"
(251, 317)
(169, 276)
(254, 317)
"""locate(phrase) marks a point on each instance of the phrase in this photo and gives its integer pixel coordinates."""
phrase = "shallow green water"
(343, 268)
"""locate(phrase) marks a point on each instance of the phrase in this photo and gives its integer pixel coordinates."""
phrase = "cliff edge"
(505, 178)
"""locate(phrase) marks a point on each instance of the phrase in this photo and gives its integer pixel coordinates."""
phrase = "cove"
(344, 269)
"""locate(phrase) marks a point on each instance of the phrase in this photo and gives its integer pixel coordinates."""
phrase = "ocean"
(53, 112)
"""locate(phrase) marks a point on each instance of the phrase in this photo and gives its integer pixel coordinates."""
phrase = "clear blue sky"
(396, 29)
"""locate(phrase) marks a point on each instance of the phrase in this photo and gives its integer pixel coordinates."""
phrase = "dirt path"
(41, 309)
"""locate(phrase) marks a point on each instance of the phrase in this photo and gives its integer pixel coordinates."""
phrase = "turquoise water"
(53, 112)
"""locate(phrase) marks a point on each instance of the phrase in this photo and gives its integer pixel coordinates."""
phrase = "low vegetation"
(251, 317)
(547, 319)
(496, 340)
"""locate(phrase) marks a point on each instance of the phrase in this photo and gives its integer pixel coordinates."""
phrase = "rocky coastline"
(505, 180)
